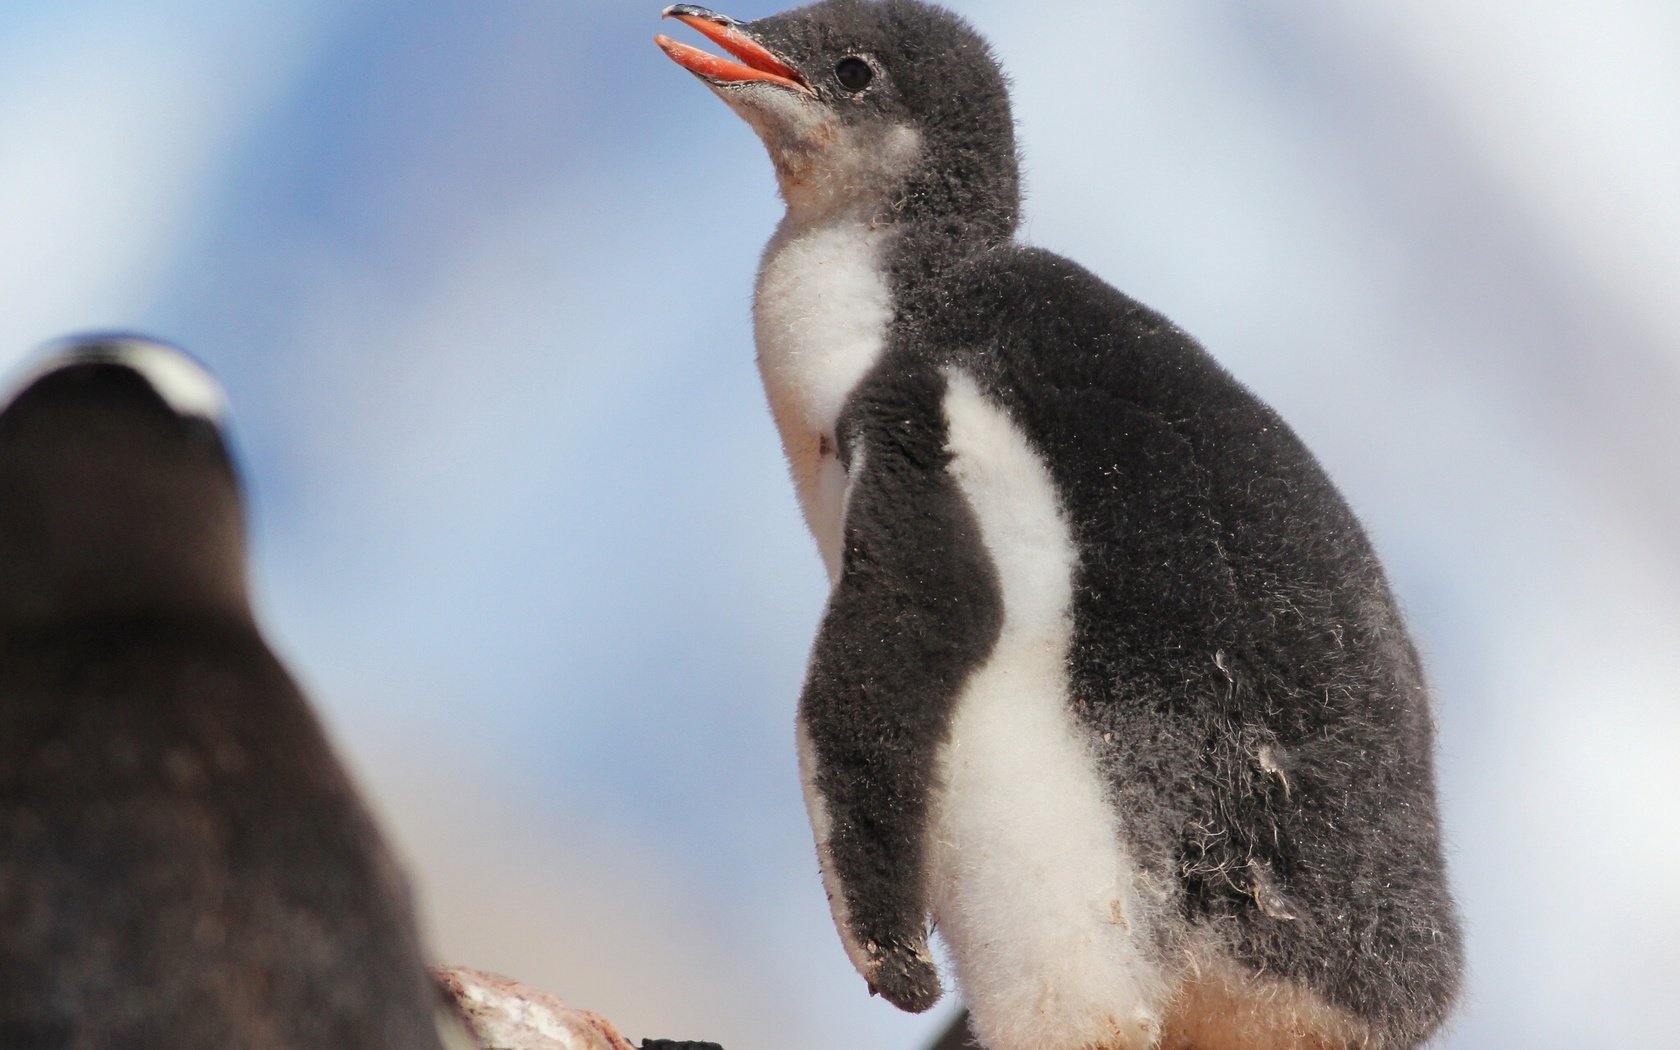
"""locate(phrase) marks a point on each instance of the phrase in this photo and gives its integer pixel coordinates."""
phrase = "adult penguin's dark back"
(183, 862)
(1110, 682)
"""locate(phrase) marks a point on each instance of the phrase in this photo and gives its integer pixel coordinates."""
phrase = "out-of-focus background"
(477, 277)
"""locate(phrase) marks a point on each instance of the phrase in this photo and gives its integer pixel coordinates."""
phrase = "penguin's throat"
(828, 169)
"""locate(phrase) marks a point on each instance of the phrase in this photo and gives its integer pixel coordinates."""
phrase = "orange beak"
(756, 62)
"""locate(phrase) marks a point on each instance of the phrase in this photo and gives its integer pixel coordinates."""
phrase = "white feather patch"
(820, 316)
(181, 382)
(1033, 888)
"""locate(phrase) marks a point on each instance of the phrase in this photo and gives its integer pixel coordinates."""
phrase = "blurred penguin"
(183, 862)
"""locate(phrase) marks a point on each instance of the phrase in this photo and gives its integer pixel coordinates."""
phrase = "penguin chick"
(183, 862)
(1110, 683)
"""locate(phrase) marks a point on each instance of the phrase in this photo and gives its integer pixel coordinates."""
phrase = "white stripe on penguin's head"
(183, 384)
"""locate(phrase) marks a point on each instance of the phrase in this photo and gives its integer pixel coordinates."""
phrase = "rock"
(506, 1015)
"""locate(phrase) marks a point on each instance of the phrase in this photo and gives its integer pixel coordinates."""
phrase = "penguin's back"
(183, 863)
(1237, 661)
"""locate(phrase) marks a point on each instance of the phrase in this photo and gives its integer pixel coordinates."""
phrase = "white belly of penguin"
(1032, 886)
(820, 316)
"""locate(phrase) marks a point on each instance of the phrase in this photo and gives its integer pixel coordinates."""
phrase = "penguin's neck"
(821, 313)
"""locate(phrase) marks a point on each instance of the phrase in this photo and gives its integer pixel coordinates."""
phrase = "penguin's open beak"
(757, 64)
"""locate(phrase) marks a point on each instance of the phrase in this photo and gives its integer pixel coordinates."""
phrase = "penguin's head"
(895, 106)
(117, 490)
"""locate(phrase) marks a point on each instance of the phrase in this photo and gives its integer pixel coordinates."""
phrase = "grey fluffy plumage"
(1237, 672)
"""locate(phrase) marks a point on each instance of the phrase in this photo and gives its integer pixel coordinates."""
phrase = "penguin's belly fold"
(1032, 885)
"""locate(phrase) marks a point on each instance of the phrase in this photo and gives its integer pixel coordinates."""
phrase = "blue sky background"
(477, 277)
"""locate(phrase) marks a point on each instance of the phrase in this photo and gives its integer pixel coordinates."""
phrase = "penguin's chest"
(1032, 885)
(820, 316)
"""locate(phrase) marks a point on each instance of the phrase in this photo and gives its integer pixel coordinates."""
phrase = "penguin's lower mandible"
(1111, 686)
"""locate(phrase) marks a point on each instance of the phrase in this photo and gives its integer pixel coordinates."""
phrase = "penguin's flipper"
(914, 609)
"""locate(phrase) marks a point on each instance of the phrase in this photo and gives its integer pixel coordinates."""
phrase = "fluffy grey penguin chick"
(1110, 684)
(183, 863)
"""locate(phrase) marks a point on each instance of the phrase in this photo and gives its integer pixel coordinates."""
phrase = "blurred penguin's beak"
(757, 64)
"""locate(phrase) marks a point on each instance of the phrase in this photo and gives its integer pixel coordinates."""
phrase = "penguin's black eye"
(853, 73)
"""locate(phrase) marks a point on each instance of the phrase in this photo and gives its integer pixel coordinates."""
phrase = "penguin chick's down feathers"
(1110, 684)
(183, 862)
